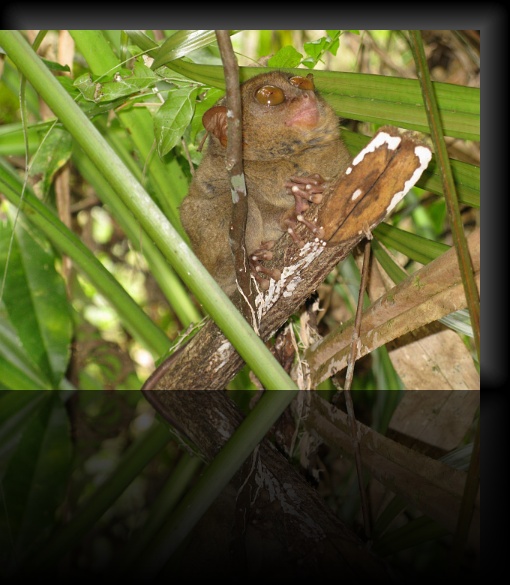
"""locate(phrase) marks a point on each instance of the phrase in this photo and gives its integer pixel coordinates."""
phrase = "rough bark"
(208, 361)
(361, 198)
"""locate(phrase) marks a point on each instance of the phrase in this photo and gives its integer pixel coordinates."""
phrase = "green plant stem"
(162, 272)
(215, 301)
(452, 202)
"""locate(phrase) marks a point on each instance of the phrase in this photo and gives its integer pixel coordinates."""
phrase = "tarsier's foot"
(306, 190)
(258, 269)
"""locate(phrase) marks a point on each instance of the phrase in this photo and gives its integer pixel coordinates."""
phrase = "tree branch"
(363, 196)
(234, 165)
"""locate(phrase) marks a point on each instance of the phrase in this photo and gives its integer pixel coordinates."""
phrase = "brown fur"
(299, 137)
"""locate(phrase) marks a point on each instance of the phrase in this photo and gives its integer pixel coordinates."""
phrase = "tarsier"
(291, 150)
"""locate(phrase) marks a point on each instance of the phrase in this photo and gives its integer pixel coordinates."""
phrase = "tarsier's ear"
(215, 122)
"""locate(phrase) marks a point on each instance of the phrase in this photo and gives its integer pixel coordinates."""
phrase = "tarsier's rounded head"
(282, 115)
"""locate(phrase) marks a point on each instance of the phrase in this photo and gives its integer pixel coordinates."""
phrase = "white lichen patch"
(222, 355)
(356, 194)
(424, 155)
(380, 140)
(238, 185)
(291, 287)
(290, 277)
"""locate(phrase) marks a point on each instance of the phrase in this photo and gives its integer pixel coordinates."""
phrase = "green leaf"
(286, 57)
(12, 141)
(35, 480)
(124, 83)
(212, 75)
(52, 155)
(173, 117)
(54, 66)
(316, 49)
(181, 43)
(17, 370)
(413, 246)
(88, 88)
(143, 41)
(34, 296)
(380, 99)
(213, 95)
(385, 99)
(392, 269)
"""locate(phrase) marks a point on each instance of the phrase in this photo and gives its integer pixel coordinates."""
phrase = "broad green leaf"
(286, 57)
(207, 74)
(88, 88)
(465, 175)
(35, 479)
(379, 99)
(173, 117)
(34, 296)
(17, 370)
(394, 100)
(316, 48)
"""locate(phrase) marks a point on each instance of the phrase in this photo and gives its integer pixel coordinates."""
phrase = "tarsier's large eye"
(302, 82)
(269, 95)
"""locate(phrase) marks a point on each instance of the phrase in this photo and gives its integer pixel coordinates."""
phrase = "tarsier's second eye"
(302, 82)
(269, 95)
